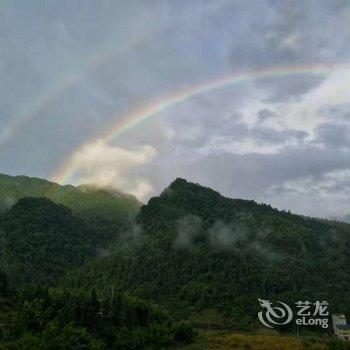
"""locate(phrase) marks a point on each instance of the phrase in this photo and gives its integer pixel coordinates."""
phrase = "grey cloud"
(237, 131)
(158, 48)
(289, 34)
(333, 135)
(240, 131)
(345, 218)
(266, 114)
(188, 229)
(254, 173)
(253, 176)
(337, 112)
(291, 88)
(278, 137)
(226, 235)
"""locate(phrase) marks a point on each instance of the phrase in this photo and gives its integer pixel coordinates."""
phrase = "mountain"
(40, 240)
(85, 201)
(107, 212)
(190, 258)
(205, 256)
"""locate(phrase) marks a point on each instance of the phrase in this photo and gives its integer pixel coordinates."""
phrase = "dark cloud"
(291, 88)
(240, 132)
(263, 177)
(333, 135)
(337, 112)
(266, 114)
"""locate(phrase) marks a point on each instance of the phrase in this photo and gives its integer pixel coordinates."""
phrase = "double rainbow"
(130, 121)
(49, 93)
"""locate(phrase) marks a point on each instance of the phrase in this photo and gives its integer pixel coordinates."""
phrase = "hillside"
(107, 212)
(209, 258)
(40, 240)
(85, 201)
(219, 340)
(191, 259)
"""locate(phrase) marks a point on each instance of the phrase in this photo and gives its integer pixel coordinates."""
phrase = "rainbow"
(129, 121)
(28, 112)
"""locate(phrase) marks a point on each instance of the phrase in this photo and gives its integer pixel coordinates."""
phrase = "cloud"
(345, 218)
(333, 135)
(290, 42)
(104, 165)
(266, 114)
(226, 235)
(264, 177)
(189, 228)
(290, 88)
(7, 202)
(254, 139)
(335, 182)
(326, 194)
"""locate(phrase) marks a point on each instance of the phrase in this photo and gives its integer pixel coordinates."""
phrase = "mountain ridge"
(84, 200)
(197, 250)
(40, 240)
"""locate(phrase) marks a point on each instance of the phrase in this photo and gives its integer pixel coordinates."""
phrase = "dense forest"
(106, 211)
(190, 259)
(41, 240)
(217, 255)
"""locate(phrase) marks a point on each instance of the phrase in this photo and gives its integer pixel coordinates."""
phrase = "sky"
(75, 73)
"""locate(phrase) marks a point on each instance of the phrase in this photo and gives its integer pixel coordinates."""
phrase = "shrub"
(183, 333)
(336, 344)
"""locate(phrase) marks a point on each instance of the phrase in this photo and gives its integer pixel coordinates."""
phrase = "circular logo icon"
(274, 315)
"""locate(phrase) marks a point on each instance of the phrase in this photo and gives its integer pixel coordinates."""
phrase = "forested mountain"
(66, 319)
(40, 240)
(201, 253)
(107, 212)
(190, 255)
(85, 201)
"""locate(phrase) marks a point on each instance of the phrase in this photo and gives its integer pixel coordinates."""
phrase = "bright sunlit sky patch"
(73, 70)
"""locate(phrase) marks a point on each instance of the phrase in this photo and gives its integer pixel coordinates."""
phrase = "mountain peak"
(179, 181)
(86, 201)
(180, 184)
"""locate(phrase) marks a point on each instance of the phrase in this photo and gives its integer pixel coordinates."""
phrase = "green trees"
(85, 201)
(204, 258)
(3, 284)
(40, 240)
(59, 318)
(198, 250)
(106, 211)
(183, 333)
